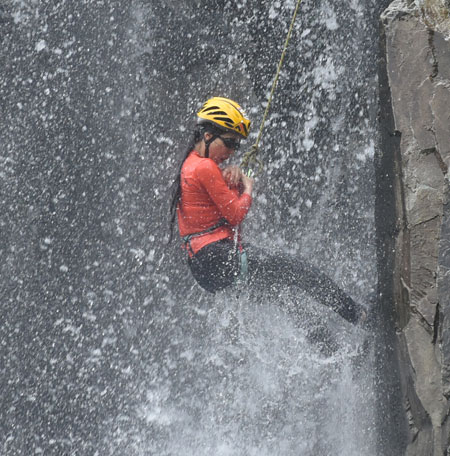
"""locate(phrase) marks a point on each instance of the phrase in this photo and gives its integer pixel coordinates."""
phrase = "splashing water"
(245, 378)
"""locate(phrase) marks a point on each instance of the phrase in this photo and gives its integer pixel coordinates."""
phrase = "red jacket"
(205, 200)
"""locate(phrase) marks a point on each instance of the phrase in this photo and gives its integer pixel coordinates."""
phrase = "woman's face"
(218, 150)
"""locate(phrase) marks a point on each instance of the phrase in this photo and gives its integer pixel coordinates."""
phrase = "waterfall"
(108, 345)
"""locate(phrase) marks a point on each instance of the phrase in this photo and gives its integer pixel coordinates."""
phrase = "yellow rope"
(251, 156)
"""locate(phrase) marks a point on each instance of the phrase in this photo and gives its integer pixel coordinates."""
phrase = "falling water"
(108, 345)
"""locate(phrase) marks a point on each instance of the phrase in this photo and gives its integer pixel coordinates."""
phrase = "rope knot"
(251, 158)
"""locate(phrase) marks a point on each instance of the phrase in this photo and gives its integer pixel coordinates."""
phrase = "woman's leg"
(215, 266)
(281, 269)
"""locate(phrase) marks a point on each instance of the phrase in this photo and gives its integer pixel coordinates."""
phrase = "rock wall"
(413, 211)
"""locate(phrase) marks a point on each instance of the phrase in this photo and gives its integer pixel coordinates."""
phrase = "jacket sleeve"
(232, 207)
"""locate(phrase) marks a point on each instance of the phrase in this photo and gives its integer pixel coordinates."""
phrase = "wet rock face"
(436, 14)
(418, 76)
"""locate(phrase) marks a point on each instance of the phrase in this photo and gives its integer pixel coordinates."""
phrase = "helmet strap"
(208, 142)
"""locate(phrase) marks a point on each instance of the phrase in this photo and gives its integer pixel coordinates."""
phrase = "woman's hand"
(247, 183)
(232, 176)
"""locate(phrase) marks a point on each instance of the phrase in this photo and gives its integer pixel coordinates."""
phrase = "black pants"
(217, 266)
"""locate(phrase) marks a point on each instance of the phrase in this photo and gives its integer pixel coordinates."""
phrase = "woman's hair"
(176, 185)
(197, 136)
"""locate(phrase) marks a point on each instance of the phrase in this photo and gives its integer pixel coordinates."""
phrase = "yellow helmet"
(226, 114)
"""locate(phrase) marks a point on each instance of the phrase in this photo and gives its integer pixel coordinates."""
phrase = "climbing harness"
(242, 254)
(187, 239)
(251, 157)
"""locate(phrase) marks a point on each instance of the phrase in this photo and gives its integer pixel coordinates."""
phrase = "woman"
(211, 203)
